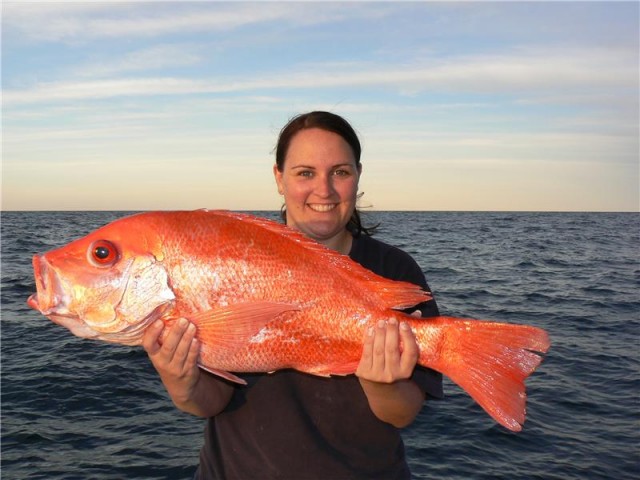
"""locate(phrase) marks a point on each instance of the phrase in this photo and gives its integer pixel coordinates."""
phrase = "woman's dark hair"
(331, 123)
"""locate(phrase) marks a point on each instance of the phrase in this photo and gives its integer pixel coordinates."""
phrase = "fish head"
(109, 285)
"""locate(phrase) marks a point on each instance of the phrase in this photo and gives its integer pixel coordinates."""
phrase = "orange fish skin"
(264, 298)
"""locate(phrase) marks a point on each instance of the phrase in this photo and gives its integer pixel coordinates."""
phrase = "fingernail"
(182, 322)
(381, 323)
(392, 321)
(404, 326)
(370, 331)
(158, 324)
(191, 328)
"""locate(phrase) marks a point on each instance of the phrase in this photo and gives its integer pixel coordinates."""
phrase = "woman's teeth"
(316, 207)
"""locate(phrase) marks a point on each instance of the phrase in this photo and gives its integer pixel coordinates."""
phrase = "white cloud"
(70, 22)
(86, 21)
(148, 59)
(517, 72)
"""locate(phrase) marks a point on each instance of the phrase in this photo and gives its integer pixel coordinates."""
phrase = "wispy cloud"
(71, 22)
(516, 72)
(157, 57)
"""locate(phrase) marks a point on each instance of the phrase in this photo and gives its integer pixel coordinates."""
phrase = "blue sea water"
(77, 409)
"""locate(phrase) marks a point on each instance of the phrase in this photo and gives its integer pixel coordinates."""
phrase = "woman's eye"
(305, 173)
(103, 253)
(342, 172)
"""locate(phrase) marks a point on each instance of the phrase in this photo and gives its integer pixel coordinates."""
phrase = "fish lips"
(32, 301)
(49, 298)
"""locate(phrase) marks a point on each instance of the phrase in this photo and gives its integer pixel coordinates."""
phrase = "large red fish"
(264, 298)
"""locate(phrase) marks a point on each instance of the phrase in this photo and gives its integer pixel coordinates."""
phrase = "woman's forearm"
(396, 403)
(208, 398)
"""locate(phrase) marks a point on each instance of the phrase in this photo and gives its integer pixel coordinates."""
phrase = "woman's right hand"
(174, 355)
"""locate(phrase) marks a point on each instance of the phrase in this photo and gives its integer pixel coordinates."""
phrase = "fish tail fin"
(490, 361)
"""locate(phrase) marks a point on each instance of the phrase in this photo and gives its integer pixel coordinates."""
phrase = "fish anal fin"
(335, 369)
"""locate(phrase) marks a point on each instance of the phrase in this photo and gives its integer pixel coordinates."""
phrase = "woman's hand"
(174, 356)
(382, 360)
(385, 370)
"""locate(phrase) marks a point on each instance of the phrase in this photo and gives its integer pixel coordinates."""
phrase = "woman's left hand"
(389, 354)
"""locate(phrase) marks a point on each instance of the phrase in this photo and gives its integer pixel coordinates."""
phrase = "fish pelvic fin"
(490, 361)
(224, 374)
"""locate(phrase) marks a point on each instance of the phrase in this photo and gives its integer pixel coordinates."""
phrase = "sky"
(474, 106)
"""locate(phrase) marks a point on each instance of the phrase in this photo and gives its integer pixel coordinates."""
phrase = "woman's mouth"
(322, 207)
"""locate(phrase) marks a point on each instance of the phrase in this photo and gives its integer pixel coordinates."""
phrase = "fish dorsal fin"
(390, 293)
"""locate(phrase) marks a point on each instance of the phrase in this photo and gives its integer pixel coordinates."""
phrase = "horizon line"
(365, 211)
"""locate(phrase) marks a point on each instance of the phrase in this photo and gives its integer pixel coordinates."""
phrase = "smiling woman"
(317, 172)
(339, 134)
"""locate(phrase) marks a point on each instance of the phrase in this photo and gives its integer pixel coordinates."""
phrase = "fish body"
(263, 298)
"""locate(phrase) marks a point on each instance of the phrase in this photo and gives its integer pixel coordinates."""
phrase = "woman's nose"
(324, 186)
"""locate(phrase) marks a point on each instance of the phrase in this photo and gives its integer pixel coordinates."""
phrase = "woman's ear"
(277, 174)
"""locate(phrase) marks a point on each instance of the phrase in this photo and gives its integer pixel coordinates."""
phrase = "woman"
(293, 425)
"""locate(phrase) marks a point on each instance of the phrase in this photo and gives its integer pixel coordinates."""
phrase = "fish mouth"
(32, 301)
(49, 298)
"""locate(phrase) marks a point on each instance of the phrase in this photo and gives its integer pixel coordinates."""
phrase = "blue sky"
(459, 105)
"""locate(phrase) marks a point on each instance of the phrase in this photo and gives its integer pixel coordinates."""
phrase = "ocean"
(79, 409)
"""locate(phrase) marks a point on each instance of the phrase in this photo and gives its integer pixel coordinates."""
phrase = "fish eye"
(102, 253)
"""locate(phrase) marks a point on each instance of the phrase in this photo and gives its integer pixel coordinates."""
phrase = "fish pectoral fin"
(232, 326)
(224, 374)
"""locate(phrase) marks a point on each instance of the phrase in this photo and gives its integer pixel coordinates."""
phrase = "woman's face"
(319, 182)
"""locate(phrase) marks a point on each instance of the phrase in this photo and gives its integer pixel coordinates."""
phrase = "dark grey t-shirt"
(291, 425)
